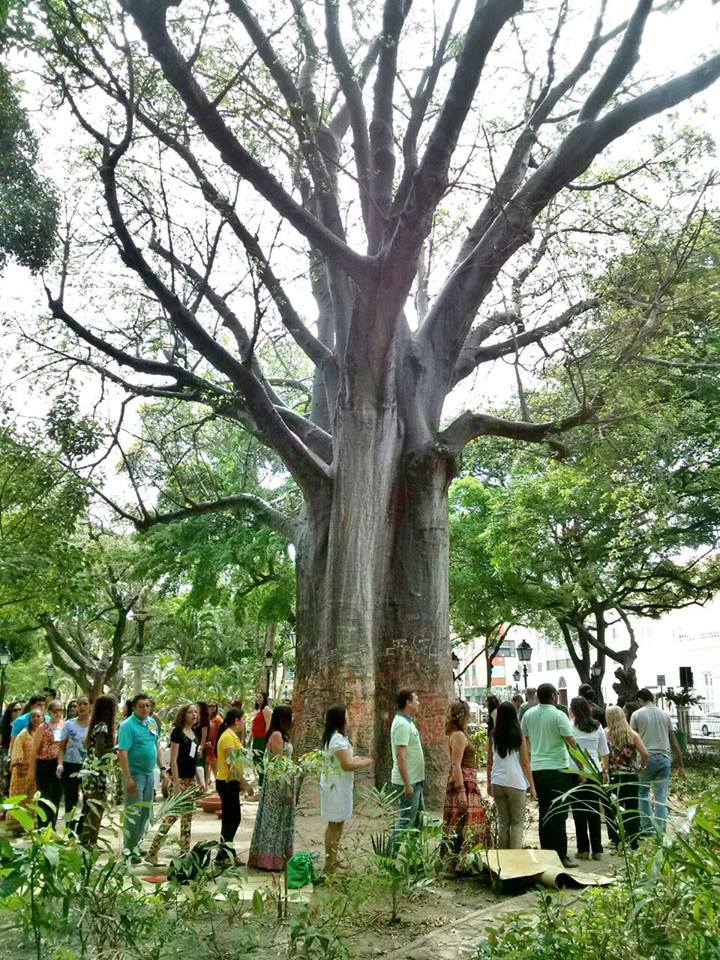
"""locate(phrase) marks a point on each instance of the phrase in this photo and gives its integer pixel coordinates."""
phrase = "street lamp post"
(269, 659)
(524, 653)
(51, 671)
(596, 671)
(4, 661)
(516, 678)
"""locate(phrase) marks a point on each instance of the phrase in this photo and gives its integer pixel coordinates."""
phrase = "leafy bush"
(666, 906)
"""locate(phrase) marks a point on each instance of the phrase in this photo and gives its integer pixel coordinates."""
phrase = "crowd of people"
(63, 755)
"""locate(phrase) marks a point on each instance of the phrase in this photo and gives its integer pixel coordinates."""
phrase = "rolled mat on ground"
(535, 866)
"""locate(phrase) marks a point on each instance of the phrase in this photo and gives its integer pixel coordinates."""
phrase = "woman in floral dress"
(274, 834)
(465, 816)
(21, 782)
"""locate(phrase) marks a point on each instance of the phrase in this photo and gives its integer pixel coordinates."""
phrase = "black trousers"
(585, 804)
(229, 793)
(550, 784)
(50, 787)
(71, 791)
(625, 792)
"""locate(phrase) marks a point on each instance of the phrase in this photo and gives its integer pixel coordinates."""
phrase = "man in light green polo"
(549, 732)
(408, 770)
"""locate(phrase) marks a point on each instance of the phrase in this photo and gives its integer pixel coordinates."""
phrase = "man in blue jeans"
(138, 754)
(408, 770)
(656, 732)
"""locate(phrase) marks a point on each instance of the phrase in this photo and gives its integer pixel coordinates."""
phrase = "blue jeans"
(137, 811)
(653, 816)
(411, 810)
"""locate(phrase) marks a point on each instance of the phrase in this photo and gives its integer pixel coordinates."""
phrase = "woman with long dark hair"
(99, 743)
(259, 732)
(274, 833)
(184, 748)
(229, 781)
(202, 733)
(509, 776)
(491, 705)
(585, 802)
(336, 786)
(464, 812)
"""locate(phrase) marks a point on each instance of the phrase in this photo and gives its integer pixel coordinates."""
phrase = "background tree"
(627, 523)
(217, 140)
(41, 505)
(28, 200)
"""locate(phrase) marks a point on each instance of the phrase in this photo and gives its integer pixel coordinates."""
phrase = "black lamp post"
(524, 653)
(516, 678)
(4, 661)
(596, 671)
(51, 671)
(269, 659)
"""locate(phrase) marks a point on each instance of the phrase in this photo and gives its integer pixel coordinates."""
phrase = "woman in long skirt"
(465, 817)
(274, 834)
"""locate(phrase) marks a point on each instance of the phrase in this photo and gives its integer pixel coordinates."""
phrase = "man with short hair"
(596, 711)
(408, 770)
(530, 701)
(138, 754)
(549, 732)
(656, 732)
(517, 702)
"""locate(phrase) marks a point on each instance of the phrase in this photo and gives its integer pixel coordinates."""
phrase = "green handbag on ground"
(300, 870)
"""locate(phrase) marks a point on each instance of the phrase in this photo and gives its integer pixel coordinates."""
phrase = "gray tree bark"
(371, 460)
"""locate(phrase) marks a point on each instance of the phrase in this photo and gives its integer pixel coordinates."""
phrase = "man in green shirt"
(408, 770)
(138, 755)
(549, 732)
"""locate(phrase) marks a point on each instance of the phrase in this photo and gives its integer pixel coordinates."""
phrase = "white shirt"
(595, 742)
(507, 771)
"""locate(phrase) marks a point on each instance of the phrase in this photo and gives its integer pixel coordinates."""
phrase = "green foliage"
(314, 931)
(71, 902)
(28, 202)
(41, 505)
(665, 906)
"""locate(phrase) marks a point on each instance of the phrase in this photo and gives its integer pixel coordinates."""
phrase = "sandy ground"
(442, 923)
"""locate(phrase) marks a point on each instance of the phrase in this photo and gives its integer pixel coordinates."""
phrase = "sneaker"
(583, 855)
(567, 862)
(597, 856)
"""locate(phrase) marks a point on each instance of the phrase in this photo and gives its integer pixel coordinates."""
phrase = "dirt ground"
(437, 914)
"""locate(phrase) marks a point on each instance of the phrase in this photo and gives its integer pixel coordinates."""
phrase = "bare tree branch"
(282, 523)
(469, 426)
(474, 354)
(150, 19)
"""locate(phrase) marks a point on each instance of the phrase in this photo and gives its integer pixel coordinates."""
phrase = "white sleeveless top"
(507, 771)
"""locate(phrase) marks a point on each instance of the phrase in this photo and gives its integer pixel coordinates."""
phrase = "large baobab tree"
(229, 139)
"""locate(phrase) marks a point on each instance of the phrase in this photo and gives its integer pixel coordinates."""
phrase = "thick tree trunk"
(372, 592)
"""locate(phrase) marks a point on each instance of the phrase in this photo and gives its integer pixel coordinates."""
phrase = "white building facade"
(683, 638)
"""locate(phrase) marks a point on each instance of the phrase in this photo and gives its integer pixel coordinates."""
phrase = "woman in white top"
(509, 776)
(586, 797)
(336, 786)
